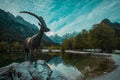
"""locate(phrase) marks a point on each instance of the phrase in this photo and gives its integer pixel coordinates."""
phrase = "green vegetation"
(100, 36)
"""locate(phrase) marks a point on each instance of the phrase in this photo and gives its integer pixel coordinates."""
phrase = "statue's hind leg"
(36, 57)
(27, 55)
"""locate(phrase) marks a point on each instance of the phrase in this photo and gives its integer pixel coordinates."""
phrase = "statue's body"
(33, 43)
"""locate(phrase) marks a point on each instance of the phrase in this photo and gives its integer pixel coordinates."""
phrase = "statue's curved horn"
(38, 17)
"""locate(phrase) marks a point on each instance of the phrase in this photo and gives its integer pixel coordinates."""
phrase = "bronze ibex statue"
(32, 43)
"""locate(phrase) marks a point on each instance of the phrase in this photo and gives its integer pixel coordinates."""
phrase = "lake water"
(65, 65)
(61, 69)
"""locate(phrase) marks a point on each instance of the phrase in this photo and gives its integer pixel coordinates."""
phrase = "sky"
(65, 16)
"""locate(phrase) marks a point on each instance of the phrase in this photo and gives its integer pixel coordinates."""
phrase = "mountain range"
(59, 39)
(17, 29)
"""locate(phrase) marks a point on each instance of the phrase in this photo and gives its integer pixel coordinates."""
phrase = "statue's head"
(41, 23)
(44, 28)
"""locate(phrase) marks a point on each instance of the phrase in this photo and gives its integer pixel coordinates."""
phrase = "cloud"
(66, 16)
(50, 33)
(98, 13)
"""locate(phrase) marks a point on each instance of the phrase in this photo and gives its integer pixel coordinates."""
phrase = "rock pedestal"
(26, 71)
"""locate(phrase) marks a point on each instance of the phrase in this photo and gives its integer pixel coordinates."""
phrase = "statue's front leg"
(30, 56)
(26, 56)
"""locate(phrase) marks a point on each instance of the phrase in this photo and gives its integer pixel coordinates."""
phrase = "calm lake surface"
(59, 67)
(67, 65)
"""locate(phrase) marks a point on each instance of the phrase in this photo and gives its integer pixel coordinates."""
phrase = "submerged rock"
(26, 71)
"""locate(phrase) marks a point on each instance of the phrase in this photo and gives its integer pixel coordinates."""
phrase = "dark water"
(8, 58)
(67, 65)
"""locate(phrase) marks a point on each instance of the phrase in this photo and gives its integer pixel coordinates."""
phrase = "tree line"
(100, 36)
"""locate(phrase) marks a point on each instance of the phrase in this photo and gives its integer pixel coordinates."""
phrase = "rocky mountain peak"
(106, 21)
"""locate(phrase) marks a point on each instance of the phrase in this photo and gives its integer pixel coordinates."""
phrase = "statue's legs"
(30, 56)
(26, 59)
(36, 57)
(27, 55)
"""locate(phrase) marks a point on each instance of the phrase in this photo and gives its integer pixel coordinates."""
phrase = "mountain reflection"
(65, 70)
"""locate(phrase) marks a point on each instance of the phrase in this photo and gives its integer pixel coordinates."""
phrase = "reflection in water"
(61, 66)
(67, 71)
(8, 58)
